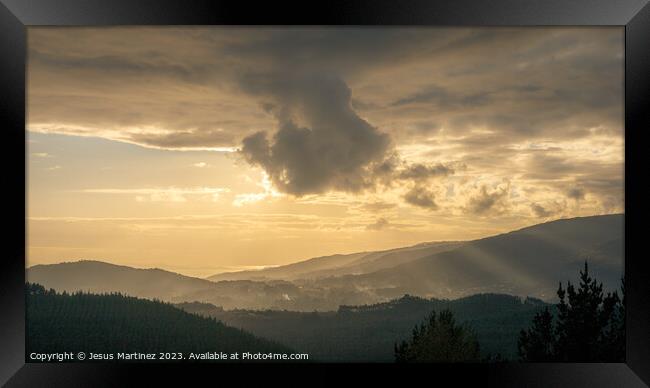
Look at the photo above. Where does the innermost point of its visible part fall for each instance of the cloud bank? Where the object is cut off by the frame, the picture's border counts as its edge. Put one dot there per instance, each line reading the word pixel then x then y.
pixel 333 151
pixel 405 111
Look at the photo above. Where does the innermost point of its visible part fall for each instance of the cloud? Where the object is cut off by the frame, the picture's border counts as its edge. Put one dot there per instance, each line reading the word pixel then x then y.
pixel 485 202
pixel 442 98
pixel 576 193
pixel 540 211
pixel 188 81
pixel 421 197
pixel 420 171
pixel 184 139
pixel 355 109
pixel 430 94
pixel 394 168
pixel 542 165
pixel 334 150
pixel 380 224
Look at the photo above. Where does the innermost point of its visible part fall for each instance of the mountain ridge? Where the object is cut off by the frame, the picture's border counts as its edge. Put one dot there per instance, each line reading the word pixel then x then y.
pixel 527 262
pixel 369 332
pixel 551 262
pixel 260 274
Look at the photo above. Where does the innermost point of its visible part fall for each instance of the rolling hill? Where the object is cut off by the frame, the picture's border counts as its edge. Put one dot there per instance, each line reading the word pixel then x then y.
pixel 527 262
pixel 368 332
pixel 100 277
pixel 112 323
pixel 355 263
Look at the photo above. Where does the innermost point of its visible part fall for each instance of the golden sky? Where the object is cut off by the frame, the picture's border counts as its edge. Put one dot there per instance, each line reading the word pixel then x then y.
pixel 207 149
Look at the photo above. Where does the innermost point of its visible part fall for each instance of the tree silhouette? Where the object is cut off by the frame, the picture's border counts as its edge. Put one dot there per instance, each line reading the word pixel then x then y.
pixel 537 343
pixel 590 326
pixel 439 339
pixel 614 336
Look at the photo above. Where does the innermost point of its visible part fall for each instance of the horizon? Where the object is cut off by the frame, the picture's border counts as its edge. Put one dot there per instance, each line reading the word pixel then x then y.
pixel 200 148
pixel 203 273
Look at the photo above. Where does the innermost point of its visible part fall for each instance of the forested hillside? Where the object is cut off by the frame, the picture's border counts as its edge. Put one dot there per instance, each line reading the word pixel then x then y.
pixel 369 332
pixel 112 323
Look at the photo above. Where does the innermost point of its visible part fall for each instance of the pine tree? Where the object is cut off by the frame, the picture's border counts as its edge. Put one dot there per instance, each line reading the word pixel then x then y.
pixel 590 326
pixel 614 336
pixel 583 316
pixel 538 343
pixel 439 339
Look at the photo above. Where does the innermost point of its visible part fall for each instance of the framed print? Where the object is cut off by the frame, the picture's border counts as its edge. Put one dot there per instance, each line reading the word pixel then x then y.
pixel 278 190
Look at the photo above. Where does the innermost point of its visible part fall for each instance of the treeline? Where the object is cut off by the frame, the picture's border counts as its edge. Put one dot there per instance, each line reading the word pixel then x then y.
pixel 112 323
pixel 369 332
pixel 586 325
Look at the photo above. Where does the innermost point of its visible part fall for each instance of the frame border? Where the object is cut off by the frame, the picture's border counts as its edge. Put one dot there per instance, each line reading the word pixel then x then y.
pixel 17 15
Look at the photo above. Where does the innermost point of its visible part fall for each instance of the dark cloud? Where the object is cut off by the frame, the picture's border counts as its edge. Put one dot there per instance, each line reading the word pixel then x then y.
pixel 519 83
pixel 393 169
pixel 384 171
pixel 423 128
pixel 422 197
pixel 380 224
pixel 551 87
pixel 328 99
pixel 344 50
pixel 443 98
pixel 604 178
pixel 540 211
pixel 420 171
pixel 528 88
pixel 335 148
pixel 149 64
pixel 576 193
pixel 433 93
pixel 543 165
pixel 485 202
pixel 358 104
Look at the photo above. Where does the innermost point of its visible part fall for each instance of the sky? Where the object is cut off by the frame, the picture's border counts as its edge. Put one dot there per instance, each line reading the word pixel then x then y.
pixel 209 149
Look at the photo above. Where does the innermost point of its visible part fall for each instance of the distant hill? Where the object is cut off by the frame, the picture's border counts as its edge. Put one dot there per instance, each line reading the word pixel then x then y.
pixel 99 277
pixel 368 333
pixel 355 263
pixel 114 323
pixel 527 262
pixel 291 271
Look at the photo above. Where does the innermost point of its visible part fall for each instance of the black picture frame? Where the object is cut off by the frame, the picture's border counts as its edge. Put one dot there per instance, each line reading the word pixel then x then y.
pixel 17 15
